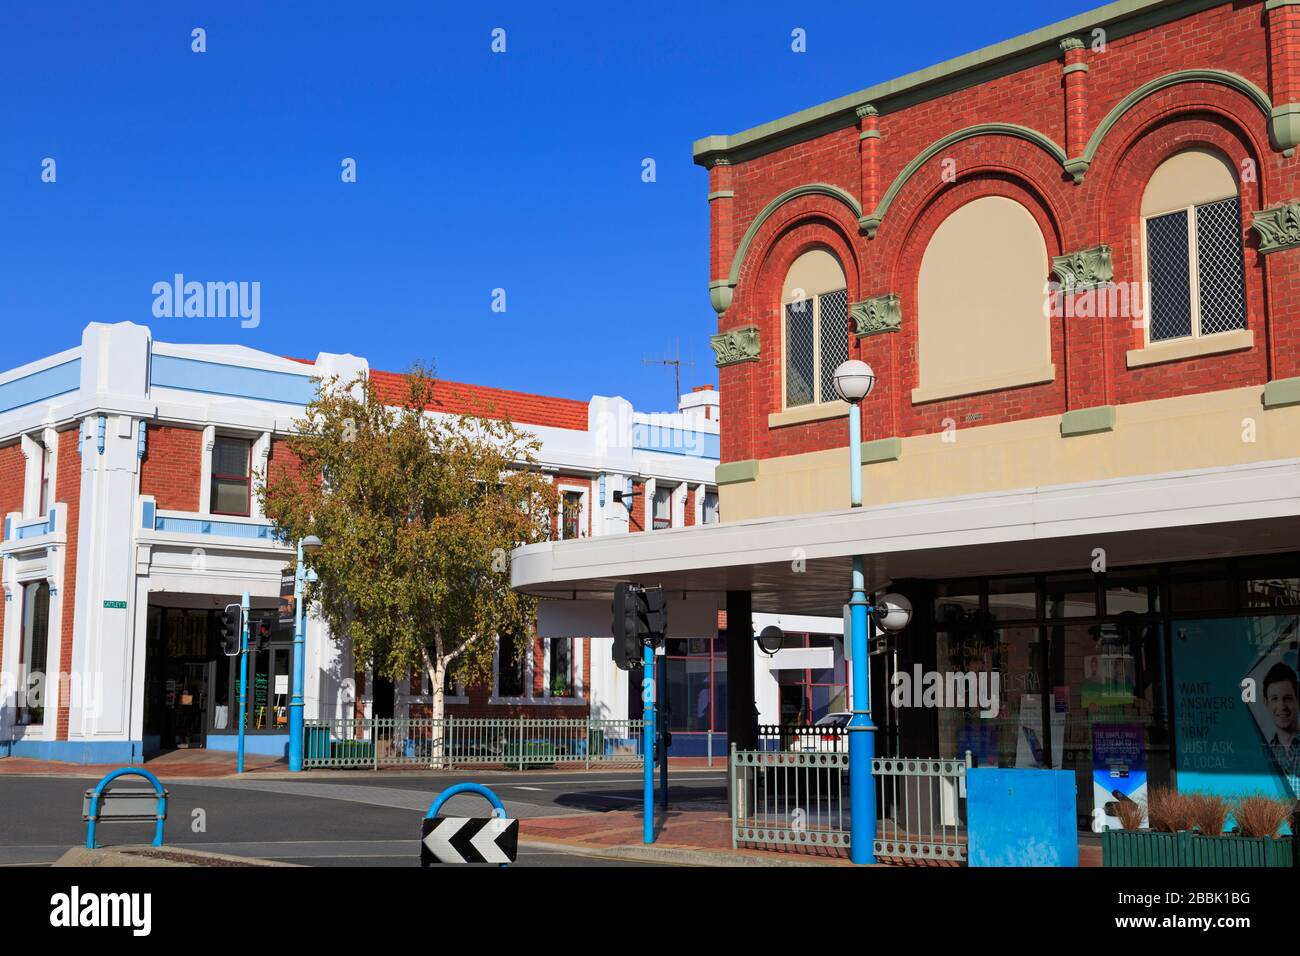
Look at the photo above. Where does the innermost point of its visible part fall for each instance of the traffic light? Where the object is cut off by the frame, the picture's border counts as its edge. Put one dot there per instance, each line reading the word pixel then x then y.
pixel 640 619
pixel 259 633
pixel 627 643
pixel 232 627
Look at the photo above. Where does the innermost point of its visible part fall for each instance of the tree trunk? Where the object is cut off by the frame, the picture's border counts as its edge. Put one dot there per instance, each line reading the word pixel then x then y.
pixel 436 667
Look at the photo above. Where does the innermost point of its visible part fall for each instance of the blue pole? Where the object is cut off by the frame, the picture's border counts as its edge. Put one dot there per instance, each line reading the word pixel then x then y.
pixel 299 647
pixel 862 742
pixel 243 677
pixel 648 669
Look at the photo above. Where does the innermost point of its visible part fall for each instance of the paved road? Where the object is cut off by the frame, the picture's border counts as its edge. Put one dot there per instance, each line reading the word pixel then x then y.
pixel 359 819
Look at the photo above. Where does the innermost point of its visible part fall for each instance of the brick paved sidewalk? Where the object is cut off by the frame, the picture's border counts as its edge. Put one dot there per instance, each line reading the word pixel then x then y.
pixel 172 765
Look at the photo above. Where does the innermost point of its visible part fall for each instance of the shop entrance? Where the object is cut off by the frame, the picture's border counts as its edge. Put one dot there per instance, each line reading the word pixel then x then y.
pixel 179 663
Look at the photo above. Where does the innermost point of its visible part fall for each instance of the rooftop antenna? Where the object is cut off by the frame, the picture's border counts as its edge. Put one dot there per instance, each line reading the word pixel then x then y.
pixel 676 361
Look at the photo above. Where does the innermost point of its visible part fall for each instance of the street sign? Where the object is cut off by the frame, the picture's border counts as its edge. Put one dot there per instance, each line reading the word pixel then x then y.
pixel 468 840
pixel 116 605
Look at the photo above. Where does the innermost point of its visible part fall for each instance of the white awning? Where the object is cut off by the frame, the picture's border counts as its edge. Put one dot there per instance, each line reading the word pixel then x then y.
pixel 801 563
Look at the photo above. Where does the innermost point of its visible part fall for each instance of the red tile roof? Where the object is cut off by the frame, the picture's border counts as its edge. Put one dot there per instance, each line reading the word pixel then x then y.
pixel 521 407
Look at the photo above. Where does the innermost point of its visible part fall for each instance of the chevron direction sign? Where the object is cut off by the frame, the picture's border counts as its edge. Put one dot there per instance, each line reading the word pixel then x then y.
pixel 468 840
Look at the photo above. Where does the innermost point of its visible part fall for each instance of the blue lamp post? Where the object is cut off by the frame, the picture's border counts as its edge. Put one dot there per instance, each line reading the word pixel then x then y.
pixel 853 382
pixel 307 546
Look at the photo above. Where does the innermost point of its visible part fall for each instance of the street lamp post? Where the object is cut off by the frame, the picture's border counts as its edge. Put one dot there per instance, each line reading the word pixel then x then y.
pixel 853 382
pixel 307 546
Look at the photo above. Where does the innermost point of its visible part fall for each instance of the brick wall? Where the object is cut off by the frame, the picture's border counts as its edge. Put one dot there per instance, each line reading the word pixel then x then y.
pixel 172 468
pixel 1089 354
pixel 68 491
pixel 13 467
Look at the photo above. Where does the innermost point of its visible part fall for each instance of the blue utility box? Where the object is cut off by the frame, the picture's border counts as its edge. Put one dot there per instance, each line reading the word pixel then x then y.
pixel 1021 817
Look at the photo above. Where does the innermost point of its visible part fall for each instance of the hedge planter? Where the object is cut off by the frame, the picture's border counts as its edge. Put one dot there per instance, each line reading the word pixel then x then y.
pixel 1149 848
pixel 535 753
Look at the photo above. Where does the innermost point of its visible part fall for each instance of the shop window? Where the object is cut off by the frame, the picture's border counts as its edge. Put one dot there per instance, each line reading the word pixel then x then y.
pixel 955 601
pixel 1204 586
pixel 815 316
pixel 34 684
pixel 1191 214
pixel 1071 595
pixel 1134 591
pixel 511 656
pixel 1013 599
pixel 231 491
pixel 571 515
pixel 982 316
pixel 1270 582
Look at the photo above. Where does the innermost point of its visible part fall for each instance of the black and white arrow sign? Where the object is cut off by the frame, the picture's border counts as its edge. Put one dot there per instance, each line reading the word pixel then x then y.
pixel 469 840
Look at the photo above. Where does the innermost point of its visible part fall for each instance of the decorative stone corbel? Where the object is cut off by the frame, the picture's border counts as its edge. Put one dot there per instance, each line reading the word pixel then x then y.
pixel 736 345
pixel 1278 228
pixel 1085 269
pixel 882 313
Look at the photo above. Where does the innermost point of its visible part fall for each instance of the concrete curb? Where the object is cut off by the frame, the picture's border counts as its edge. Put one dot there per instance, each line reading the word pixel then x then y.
pixel 131 856
pixel 673 856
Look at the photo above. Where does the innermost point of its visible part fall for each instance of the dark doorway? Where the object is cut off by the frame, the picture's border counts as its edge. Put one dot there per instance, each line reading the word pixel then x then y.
pixel 383 698
pixel 179 654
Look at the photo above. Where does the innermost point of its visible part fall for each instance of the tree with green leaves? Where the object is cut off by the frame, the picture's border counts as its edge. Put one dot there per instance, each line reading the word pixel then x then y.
pixel 417 514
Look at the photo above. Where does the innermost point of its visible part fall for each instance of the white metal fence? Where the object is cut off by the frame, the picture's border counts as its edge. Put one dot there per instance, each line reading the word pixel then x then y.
pixel 470 741
pixel 921 808
pixel 789 798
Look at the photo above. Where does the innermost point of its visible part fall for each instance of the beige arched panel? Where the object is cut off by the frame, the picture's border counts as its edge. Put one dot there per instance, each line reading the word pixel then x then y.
pixel 813 273
pixel 982 316
pixel 1189 178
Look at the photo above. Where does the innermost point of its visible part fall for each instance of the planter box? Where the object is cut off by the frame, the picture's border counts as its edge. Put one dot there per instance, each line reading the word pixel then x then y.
pixel 1149 848
pixel 353 750
pixel 532 751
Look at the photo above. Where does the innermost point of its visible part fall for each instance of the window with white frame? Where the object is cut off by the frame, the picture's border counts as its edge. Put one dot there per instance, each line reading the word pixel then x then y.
pixel 34 684
pixel 232 484
pixel 1191 217
pixel 815 316
pixel 47 466
pixel 663 508
pixel 571 515
pixel 709 509
pixel 559 667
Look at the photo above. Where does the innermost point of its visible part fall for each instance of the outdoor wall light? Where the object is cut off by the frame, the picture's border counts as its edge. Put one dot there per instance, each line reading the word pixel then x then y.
pixel 854 381
pixel 770 639
pixel 893 612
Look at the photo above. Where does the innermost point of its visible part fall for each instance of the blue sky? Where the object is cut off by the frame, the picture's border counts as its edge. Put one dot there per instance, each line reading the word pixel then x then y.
pixel 475 170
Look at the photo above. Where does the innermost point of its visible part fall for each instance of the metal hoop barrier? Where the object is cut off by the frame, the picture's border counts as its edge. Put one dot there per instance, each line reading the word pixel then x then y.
pixel 498 808
pixel 125 806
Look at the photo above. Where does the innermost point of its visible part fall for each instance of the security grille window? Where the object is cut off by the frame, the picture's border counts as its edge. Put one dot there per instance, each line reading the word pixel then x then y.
pixel 1195 271
pixel 510 667
pixel 663 508
pixel 817 342
pixel 33 653
pixel 231 479
pixel 710 508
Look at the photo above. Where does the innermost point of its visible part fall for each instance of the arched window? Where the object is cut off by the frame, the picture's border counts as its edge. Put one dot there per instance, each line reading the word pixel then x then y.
pixel 1191 230
pixel 982 321
pixel 815 313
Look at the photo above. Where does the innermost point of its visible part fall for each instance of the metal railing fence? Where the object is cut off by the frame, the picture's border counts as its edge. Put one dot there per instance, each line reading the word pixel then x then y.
pixel 448 742
pixel 789 798
pixel 921 808
pixel 803 738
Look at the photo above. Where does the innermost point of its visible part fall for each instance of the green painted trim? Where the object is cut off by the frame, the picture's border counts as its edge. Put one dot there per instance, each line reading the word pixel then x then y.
pixel 1085 269
pixel 883 449
pixel 869 224
pixel 1284 127
pixel 869 134
pixel 722 194
pixel 1278 228
pixel 808 189
pixel 1282 392
pixel 720 294
pixel 1088 421
pixel 736 345
pixel 734 472
pixel 1274 4
pixel 1071 43
pixel 882 313
pixel 1150 88
pixel 1119 19
pixel 1074 68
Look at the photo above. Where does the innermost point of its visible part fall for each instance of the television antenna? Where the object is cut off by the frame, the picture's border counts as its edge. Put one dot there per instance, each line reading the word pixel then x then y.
pixel 676 361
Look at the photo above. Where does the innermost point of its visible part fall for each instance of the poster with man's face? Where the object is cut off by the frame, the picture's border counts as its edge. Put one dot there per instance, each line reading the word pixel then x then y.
pixel 1235 706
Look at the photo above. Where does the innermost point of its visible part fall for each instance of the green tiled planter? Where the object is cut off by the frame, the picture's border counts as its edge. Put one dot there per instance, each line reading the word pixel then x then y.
pixel 536 753
pixel 1148 848
pixel 353 750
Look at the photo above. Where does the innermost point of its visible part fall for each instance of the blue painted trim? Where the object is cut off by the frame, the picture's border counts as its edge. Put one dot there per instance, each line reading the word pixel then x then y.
pixel 602 491
pixel 81 435
pixel 267 745
pixel 9 528
pixel 101 432
pixel 216 378
pixel 99 792
pixel 147 515
pixel 142 439
pixel 224 529
pixel 38 386
pixel 675 441
pixel 77 751
pixel 33 529
pixel 478 788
